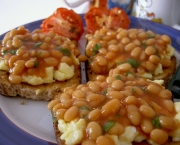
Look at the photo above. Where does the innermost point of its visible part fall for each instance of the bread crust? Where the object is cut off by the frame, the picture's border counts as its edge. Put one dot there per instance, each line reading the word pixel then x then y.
pixel 44 92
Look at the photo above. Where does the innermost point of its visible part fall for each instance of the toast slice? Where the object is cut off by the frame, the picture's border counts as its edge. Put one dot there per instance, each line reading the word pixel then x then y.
pixel 74 127
pixel 113 49
pixel 37 65
pixel 44 92
pixel 166 76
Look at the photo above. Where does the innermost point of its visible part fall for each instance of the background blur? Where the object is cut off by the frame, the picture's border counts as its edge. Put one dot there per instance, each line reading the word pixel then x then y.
pixel 14 13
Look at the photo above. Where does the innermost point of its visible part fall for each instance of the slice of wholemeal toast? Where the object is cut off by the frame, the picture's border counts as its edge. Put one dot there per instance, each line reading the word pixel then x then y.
pixel 41 63
pixel 37 65
pixel 44 92
pixel 165 76
pixel 103 109
pixel 151 55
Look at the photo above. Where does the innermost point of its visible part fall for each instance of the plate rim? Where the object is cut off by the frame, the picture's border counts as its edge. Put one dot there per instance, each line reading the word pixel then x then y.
pixel 140 24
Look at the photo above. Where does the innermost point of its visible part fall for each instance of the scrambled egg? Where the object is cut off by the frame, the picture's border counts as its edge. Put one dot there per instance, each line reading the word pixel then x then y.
pixel 34 80
pixel 176 133
pixel 72 132
pixel 64 72
pixel 168 53
pixel 3 66
pixel 131 134
pixel 161 82
pixel 159 70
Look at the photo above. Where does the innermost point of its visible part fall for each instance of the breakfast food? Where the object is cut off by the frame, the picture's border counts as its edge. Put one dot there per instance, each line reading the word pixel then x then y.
pixel 41 63
pixel 120 106
pixel 37 65
pixel 113 18
pixel 119 109
pixel 151 55
pixel 64 22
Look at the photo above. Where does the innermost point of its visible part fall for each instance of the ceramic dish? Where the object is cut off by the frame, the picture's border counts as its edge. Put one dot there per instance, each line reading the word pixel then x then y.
pixel 30 123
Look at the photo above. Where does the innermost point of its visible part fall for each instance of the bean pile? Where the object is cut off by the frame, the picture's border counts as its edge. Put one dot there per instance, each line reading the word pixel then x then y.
pixel 110 104
pixel 31 53
pixel 143 49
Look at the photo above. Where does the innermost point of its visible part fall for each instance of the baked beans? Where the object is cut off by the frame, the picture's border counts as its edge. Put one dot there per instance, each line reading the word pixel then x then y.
pixel 148 49
pixel 94 130
pixel 23 51
pixel 124 101
pixel 104 140
pixel 159 136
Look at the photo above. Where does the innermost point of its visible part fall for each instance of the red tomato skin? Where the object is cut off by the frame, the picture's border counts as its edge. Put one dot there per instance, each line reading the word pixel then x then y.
pixel 93 16
pixel 113 18
pixel 117 19
pixel 65 23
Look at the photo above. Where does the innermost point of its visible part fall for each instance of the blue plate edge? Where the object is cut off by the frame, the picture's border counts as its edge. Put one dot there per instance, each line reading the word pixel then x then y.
pixel 30 139
pixel 10 134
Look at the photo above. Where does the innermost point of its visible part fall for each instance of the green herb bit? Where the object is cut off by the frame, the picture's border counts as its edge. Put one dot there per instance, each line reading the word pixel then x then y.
pixel 118 77
pixel 36 64
pixel 132 62
pixel 84 108
pixel 37 44
pixel 96 48
pixel 150 36
pixel 9 51
pixel 72 30
pixel 54 119
pixel 156 50
pixel 90 58
pixel 133 90
pixel 83 116
pixel 13 51
pixel 64 51
pixel 156 122
pixel 4 52
pixel 144 44
pixel 105 91
pixel 108 125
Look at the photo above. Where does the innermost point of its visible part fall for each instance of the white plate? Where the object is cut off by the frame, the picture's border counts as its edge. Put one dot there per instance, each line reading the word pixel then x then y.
pixel 31 122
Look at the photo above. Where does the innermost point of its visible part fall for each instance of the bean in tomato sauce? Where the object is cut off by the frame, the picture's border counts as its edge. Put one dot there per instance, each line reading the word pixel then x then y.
pixel 111 105
pixel 30 53
pixel 145 51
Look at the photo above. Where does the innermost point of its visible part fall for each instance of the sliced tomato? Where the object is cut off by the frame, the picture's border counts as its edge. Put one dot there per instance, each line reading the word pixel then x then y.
pixel 65 23
pixel 117 19
pixel 113 18
pixel 95 18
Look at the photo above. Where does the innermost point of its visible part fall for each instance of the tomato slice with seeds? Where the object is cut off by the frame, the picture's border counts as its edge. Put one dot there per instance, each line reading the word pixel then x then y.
pixel 117 19
pixel 65 23
pixel 113 18
pixel 95 18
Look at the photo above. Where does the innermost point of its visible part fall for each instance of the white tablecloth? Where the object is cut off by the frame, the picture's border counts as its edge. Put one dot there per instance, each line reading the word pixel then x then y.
pixel 14 13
